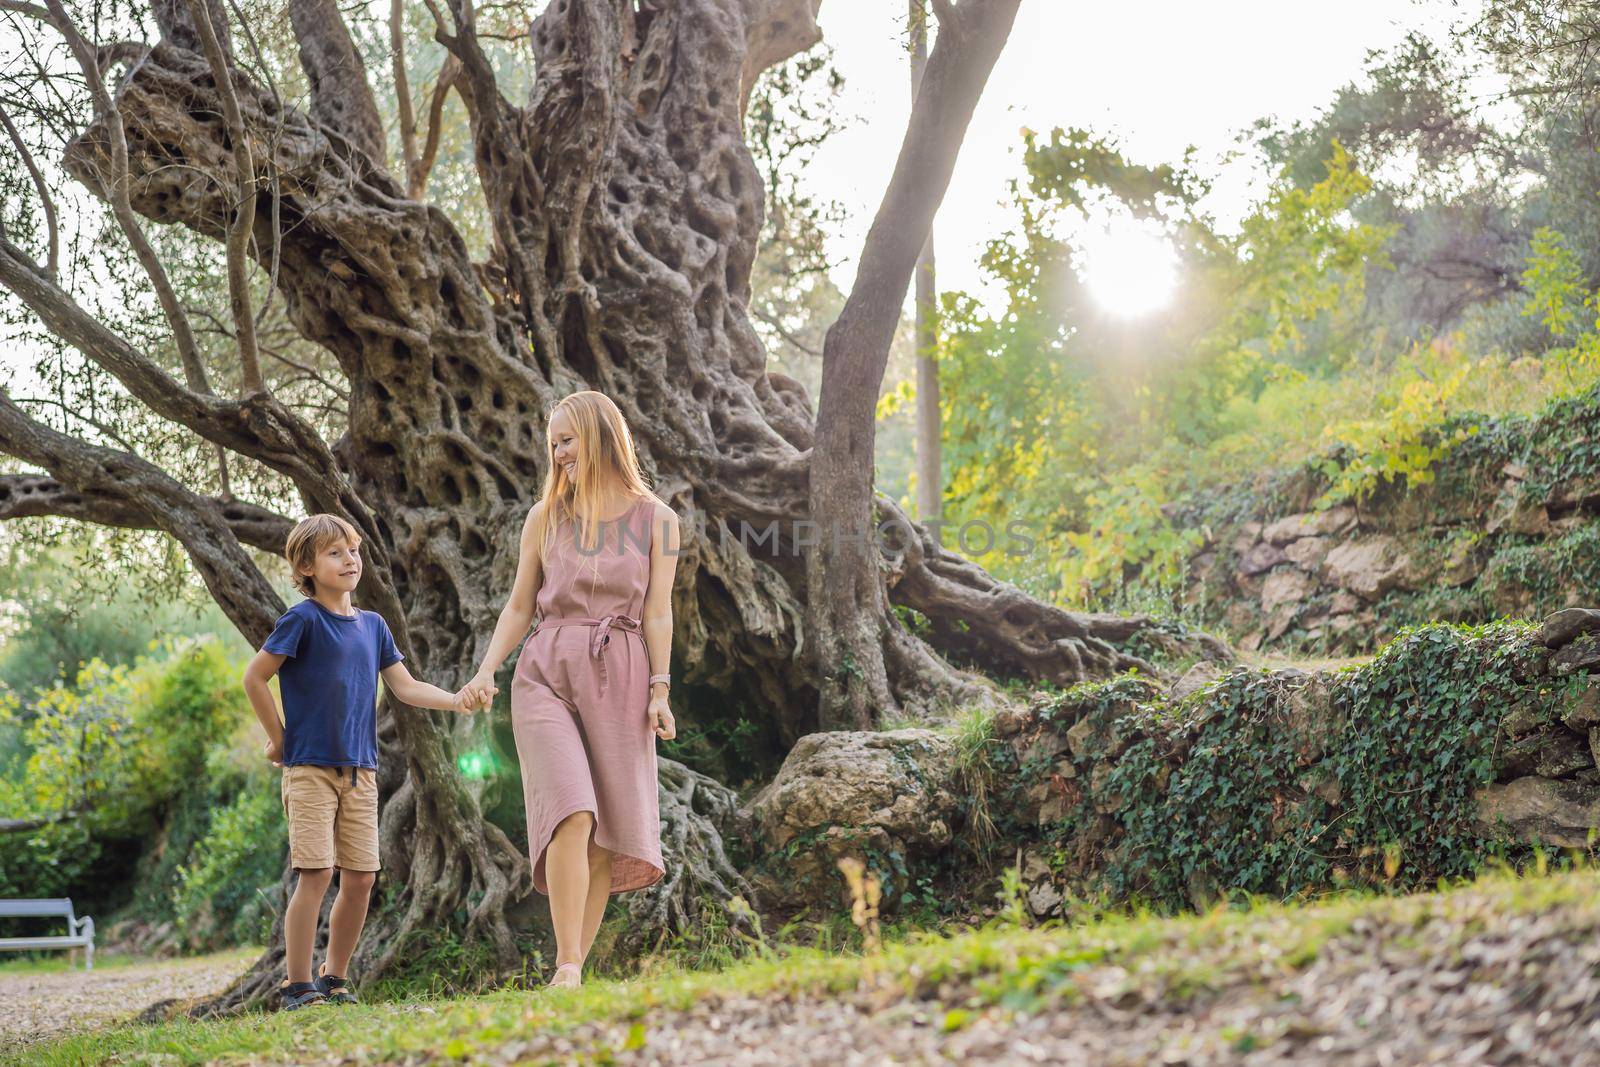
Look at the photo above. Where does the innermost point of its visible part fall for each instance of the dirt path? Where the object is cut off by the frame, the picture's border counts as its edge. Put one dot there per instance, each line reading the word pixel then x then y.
pixel 1472 987
pixel 41 1003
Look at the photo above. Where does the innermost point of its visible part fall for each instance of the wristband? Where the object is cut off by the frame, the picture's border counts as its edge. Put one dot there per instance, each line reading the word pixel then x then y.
pixel 667 678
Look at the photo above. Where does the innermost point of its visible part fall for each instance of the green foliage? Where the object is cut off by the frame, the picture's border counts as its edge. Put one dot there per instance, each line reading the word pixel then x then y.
pixel 1083 428
pixel 156 799
pixel 1210 817
pixel 1257 786
pixel 51 630
pixel 224 892
pixel 1402 443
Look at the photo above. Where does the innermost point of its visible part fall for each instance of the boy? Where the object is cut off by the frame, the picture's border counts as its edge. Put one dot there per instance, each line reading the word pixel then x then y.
pixel 328 656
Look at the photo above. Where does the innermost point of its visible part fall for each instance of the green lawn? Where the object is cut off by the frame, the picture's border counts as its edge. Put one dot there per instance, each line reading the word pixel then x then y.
pixel 60 962
pixel 1015 968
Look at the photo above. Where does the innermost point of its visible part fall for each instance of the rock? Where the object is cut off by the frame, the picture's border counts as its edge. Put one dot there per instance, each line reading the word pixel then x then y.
pixel 1343 603
pixel 1539 810
pixel 1309 524
pixel 1098 735
pixel 1461 565
pixel 1369 568
pixel 1574 494
pixel 1034 866
pixel 1323 784
pixel 1524 717
pixel 1195 679
pixel 1105 802
pixel 1044 900
pixel 1563 753
pixel 1310 718
pixel 1282 618
pixel 1287 586
pixel 1244 537
pixel 844 792
pixel 1308 552
pixel 1203 889
pixel 1594 744
pixel 1260 558
pixel 1008 722
pixel 1550 752
pixel 1583 654
pixel 1039 746
pixel 1510 513
pixel 1584 712
pixel 1340 625
pixel 1562 627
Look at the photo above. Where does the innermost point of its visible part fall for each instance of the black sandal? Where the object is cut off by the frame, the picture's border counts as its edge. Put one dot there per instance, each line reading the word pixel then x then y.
pixel 337 990
pixel 292 995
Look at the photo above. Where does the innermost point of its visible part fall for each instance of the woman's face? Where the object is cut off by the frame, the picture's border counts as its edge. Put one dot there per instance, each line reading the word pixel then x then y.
pixel 564 444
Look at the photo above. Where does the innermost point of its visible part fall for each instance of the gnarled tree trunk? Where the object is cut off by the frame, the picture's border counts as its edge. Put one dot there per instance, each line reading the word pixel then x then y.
pixel 625 211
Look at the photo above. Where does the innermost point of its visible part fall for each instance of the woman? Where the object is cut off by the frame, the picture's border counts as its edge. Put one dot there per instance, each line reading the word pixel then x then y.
pixel 590 692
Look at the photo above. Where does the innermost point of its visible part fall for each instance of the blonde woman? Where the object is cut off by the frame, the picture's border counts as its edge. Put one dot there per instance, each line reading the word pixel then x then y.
pixel 589 697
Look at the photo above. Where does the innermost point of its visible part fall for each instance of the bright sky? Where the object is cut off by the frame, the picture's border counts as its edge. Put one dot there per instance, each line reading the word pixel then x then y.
pixel 1159 74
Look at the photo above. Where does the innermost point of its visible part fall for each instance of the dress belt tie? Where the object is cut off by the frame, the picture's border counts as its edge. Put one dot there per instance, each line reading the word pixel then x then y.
pixel 601 636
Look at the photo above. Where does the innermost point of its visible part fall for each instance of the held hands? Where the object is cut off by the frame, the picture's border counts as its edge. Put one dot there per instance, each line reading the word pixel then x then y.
pixel 476 694
pixel 661 720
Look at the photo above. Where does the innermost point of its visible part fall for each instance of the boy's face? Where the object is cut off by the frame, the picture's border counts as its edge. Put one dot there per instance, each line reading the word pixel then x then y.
pixel 337 568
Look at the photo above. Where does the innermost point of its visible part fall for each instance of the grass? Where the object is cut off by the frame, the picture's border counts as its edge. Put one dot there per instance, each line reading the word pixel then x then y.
pixel 1002 966
pixel 60 962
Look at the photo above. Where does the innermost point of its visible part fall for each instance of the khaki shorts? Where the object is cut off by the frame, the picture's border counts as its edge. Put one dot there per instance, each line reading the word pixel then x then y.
pixel 333 821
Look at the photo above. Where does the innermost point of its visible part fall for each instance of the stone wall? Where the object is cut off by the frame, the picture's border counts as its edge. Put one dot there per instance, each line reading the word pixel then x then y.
pixel 1450 746
pixel 1508 525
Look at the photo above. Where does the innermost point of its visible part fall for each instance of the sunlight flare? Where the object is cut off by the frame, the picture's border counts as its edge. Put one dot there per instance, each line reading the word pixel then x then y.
pixel 1129 266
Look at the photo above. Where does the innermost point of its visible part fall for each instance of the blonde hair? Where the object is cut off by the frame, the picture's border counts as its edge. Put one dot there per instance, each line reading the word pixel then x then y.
pixel 307 540
pixel 608 462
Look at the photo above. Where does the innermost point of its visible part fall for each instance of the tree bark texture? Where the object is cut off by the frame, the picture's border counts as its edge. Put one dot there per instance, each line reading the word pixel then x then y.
pixel 625 211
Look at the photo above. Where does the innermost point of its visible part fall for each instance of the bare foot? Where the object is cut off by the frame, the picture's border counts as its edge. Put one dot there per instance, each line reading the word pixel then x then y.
pixel 567 976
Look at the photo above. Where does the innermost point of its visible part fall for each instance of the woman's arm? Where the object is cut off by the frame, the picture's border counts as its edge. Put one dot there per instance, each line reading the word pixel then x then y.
pixel 517 615
pixel 657 621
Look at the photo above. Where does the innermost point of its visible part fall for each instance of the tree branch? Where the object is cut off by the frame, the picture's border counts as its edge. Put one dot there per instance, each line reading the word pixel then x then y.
pixel 402 93
pixel 774 31
pixel 448 75
pixel 39 822
pixel 117 194
pixel 244 209
pixel 52 263
pixel 192 520
pixel 259 427
pixel 341 97
pixel 178 27
pixel 30 496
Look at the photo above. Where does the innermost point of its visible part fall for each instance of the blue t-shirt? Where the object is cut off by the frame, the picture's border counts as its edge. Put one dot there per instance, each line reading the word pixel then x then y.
pixel 330 683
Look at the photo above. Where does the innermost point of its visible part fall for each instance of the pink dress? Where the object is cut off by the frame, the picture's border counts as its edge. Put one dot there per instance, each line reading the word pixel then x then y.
pixel 580 696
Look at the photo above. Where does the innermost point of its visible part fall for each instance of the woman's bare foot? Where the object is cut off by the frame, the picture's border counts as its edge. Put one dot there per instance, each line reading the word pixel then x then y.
pixel 567 976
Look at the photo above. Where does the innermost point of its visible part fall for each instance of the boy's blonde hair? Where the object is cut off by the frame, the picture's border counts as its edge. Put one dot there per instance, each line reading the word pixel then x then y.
pixel 307 540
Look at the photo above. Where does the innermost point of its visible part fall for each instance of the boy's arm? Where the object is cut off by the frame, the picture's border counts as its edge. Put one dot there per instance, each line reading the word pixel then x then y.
pixel 260 669
pixel 418 694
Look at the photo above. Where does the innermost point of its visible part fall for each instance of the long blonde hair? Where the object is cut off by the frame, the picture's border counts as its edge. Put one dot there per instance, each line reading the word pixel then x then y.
pixel 608 462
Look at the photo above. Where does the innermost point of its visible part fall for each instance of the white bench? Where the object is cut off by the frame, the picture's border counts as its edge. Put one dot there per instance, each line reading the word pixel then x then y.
pixel 80 932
